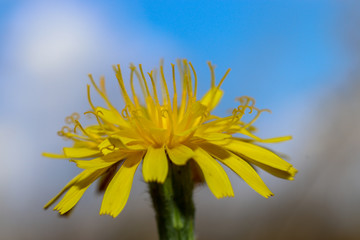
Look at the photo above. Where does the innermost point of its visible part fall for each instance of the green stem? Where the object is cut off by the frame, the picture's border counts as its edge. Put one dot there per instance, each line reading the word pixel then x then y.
pixel 173 204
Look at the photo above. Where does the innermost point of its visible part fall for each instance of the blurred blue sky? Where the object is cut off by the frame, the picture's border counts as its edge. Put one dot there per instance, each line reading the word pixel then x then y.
pixel 283 53
pixel 288 44
pixel 280 52
pixel 283 46
pixel 286 54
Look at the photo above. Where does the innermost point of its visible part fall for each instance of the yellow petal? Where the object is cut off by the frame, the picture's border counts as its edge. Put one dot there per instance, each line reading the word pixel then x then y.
pixel 193 114
pixel 118 191
pixel 155 166
pixel 213 136
pixel 240 167
pixel 67 186
pixel 180 154
pixel 111 117
pixel 257 154
pixel 130 143
pixel 70 199
pixel 197 109
pixel 107 146
pixel 214 174
pixel 268 140
pixel 288 175
pixel 95 129
pixel 53 155
pixel 97 162
pixel 80 152
pixel 212 98
pixel 157 133
pixel 85 144
pixel 276 139
pixel 76 188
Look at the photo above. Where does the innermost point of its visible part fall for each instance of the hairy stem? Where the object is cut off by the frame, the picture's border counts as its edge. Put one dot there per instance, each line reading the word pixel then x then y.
pixel 173 204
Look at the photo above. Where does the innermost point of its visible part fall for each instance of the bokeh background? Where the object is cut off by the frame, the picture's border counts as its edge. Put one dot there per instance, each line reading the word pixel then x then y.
pixel 298 58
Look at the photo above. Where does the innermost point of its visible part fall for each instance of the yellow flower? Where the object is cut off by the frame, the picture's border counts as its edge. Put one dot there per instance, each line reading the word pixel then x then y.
pixel 176 129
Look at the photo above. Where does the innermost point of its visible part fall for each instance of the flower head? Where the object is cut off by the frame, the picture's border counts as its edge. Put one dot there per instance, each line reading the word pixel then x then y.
pixel 162 129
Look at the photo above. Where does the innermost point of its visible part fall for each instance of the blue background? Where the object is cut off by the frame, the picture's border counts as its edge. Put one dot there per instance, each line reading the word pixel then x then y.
pixel 297 58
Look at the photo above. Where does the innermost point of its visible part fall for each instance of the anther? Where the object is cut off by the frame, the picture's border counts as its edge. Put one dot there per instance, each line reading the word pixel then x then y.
pixel 75 116
pixel 125 113
pixel 68 130
pixel 96 115
pixel 69 120
pixel 135 112
pixel 163 111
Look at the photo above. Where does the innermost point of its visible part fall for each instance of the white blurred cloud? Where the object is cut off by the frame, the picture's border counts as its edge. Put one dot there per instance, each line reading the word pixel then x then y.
pixel 17 169
pixel 46 39
pixel 46 51
pixel 49 47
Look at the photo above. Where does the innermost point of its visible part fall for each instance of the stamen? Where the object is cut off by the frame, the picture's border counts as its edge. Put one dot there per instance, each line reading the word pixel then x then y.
pixel 144 79
pixel 135 113
pixel 181 72
pixel 64 130
pixel 256 116
pixel 136 100
pixel 175 103
pixel 132 82
pixel 163 111
pixel 245 100
pixel 195 79
pixel 170 121
pixel 184 91
pixel 125 113
pixel 102 84
pixel 154 88
pixel 182 105
pixel 212 68
pixel 223 78
pixel 159 120
pixel 119 77
pixel 133 68
pixel 242 108
pixel 187 77
pixel 164 84
pixel 109 147
pixel 204 117
pixel 173 75
pixel 75 116
pixel 187 85
pixel 71 119
pixel 103 95
pixel 107 124
pixel 82 130
pixel 89 98
pixel 97 117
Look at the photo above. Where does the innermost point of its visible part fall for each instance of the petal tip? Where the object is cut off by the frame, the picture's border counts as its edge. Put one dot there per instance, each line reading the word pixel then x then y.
pixel 225 195
pixel 269 195
pixel 292 171
pixel 154 180
pixel 109 213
